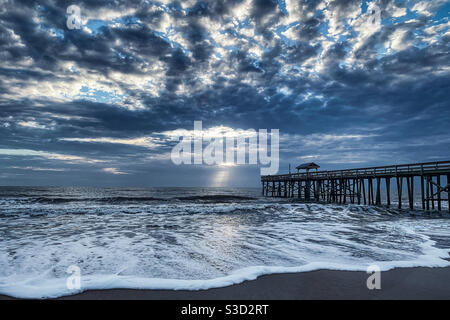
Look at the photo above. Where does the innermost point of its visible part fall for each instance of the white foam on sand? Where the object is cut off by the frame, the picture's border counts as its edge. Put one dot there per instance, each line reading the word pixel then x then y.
pixel 40 287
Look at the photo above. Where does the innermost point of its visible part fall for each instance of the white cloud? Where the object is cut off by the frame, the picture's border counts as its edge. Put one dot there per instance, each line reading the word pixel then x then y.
pixel 39 169
pixel 113 171
pixel 427 7
pixel 48 155
pixel 34 125
pixel 396 40
pixel 213 132
pixel 398 12
pixel 147 142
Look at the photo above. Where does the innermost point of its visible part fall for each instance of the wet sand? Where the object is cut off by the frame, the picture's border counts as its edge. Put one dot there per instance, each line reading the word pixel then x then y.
pixel 402 283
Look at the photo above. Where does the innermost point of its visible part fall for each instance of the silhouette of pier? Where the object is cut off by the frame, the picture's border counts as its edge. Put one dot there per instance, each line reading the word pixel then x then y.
pixel 364 185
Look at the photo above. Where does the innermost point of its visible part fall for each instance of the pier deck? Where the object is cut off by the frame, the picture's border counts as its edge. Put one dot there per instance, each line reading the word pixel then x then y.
pixel 364 185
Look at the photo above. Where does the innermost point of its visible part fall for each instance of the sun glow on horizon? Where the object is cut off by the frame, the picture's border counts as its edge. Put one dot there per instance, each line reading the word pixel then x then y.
pixel 226 164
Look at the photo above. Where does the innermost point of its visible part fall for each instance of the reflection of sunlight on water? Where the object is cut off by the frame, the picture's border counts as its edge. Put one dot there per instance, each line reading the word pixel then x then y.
pixel 225 236
pixel 228 230
pixel 227 164
pixel 221 177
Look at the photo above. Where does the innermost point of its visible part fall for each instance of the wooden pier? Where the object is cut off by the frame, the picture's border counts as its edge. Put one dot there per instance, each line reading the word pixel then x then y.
pixel 364 185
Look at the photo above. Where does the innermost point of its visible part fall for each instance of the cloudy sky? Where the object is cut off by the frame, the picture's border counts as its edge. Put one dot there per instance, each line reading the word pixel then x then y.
pixel 347 83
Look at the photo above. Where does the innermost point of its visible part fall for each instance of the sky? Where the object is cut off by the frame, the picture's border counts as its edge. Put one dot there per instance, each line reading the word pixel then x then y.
pixel 347 84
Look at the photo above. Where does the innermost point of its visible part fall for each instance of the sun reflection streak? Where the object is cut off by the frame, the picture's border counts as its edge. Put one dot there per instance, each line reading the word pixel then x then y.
pixel 221 178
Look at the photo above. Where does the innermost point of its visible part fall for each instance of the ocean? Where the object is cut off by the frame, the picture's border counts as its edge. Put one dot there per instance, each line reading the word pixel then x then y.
pixel 196 238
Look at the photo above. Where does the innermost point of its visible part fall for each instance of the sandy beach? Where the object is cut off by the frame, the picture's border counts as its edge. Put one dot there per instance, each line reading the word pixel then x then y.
pixel 397 284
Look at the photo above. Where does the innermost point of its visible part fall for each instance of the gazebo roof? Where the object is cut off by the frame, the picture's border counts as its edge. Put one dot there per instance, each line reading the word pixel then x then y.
pixel 309 165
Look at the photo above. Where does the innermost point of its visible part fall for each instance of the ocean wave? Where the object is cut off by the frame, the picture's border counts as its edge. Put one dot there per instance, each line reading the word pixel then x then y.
pixel 108 200
pixel 126 199
pixel 215 198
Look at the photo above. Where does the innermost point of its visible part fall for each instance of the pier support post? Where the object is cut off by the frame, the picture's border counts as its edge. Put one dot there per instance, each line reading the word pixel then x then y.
pixel 288 191
pixel 308 190
pixel 351 190
pixel 388 192
pixel 410 183
pixel 314 189
pixel 358 189
pixel 329 190
pixel 332 191
pixel 399 191
pixel 422 191
pixel 279 189
pixel 448 191
pixel 318 190
pixel 344 186
pixel 438 181
pixel 300 183
pixel 338 190
pixel 378 196
pixel 432 192
pixel 293 189
pixel 363 182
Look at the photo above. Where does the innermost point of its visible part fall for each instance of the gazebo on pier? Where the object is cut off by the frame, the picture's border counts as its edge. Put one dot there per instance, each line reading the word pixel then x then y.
pixel 307 166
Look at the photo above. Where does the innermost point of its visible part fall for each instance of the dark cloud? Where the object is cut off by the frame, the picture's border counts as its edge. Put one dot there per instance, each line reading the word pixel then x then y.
pixel 147 68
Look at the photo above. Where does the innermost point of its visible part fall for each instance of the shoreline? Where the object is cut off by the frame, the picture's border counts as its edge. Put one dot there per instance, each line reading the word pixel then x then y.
pixel 396 284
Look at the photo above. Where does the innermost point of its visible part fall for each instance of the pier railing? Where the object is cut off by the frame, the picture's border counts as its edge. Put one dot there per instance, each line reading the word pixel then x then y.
pixel 381 171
